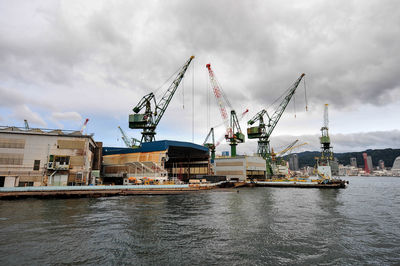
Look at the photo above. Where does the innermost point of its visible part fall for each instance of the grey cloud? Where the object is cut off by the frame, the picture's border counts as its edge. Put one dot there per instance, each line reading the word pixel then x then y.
pixel 9 97
pixel 114 53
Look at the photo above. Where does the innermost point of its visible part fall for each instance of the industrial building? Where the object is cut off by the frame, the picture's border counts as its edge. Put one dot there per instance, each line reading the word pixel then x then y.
pixel 157 161
pixel 44 157
pixel 240 167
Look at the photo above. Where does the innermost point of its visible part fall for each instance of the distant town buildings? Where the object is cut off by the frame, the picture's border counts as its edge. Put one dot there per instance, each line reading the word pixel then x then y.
pixel 369 162
pixel 294 162
pixel 381 165
pixel 353 162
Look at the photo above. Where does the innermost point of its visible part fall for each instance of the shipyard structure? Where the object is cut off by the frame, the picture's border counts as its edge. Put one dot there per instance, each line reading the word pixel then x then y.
pixel 42 157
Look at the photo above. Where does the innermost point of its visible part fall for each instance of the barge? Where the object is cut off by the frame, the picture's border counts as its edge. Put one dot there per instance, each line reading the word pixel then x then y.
pixel 333 183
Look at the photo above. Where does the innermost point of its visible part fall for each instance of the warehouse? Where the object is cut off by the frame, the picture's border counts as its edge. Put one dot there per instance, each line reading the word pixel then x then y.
pixel 159 161
pixel 45 157
pixel 240 168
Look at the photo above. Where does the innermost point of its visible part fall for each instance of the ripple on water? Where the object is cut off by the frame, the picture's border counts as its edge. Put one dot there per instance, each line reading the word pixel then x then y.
pixel 358 225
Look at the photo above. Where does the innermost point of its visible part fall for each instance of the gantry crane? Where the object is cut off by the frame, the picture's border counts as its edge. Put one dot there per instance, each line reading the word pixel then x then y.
pixel 233 133
pixel 129 143
pixel 263 132
pixel 149 120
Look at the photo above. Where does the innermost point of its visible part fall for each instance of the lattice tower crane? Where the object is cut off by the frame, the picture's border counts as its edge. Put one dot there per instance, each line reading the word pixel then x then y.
pixel 149 120
pixel 263 132
pixel 210 145
pixel 326 148
pixel 26 124
pixel 213 145
pixel 234 133
pixel 129 142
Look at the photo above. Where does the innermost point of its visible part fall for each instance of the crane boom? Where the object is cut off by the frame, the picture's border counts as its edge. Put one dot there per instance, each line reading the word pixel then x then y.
pixel 282 153
pixel 149 120
pixel 166 99
pixel 218 96
pixel 281 108
pixel 125 138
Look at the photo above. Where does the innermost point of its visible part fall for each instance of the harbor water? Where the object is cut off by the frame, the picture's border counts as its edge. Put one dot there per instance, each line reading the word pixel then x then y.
pixel 250 226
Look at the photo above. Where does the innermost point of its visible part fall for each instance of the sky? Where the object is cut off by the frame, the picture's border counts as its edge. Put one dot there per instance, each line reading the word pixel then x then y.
pixel 64 61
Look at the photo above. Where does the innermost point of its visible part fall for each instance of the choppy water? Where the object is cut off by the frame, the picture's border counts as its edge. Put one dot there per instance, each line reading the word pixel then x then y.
pixel 357 225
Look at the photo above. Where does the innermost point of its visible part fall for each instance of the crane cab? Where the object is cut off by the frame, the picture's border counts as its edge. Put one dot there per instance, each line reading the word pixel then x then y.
pixel 254 132
pixel 137 121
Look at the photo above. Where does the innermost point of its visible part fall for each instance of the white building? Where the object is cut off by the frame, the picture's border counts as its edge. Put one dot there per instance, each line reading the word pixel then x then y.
pixel 38 157
pixel 396 167
pixel 240 167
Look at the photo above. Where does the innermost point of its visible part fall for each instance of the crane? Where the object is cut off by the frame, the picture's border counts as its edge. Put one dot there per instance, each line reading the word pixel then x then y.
pixel 26 124
pixel 133 143
pixel 233 133
pixel 84 125
pixel 210 145
pixel 279 165
pixel 263 132
pixel 149 120
pixel 324 162
pixel 283 153
pixel 326 149
pixel 274 155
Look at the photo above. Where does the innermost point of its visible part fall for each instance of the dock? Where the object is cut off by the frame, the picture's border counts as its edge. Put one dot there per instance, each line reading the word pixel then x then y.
pixel 300 184
pixel 100 191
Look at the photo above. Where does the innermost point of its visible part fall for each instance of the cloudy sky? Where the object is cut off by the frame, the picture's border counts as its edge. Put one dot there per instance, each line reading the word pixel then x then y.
pixel 64 61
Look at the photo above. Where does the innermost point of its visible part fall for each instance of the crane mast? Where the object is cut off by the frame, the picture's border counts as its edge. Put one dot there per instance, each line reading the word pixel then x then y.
pixel 234 133
pixel 149 120
pixel 326 148
pixel 263 132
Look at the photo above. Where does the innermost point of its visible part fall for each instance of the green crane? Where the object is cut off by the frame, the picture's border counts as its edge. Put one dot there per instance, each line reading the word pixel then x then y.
pixel 133 143
pixel 326 148
pixel 263 132
pixel 233 134
pixel 210 145
pixel 149 120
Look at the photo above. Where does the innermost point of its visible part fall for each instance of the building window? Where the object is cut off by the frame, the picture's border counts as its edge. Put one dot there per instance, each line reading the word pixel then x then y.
pixel 36 165
pixel 25 184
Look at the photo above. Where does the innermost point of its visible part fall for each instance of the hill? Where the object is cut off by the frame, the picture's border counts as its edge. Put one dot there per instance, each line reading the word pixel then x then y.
pixel 307 158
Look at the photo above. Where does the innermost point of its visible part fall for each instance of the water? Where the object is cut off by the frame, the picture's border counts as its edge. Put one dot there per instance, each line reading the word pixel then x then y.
pixel 257 226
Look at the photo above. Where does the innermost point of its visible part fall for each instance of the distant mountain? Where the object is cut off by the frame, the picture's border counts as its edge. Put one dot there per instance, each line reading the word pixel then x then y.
pixel 307 158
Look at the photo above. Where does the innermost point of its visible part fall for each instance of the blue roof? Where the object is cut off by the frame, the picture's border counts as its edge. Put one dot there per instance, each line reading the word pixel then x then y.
pixel 160 145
